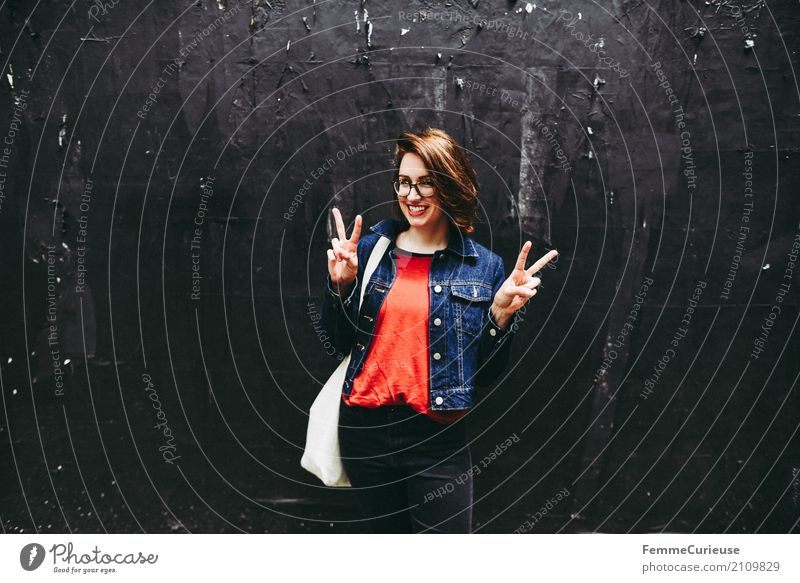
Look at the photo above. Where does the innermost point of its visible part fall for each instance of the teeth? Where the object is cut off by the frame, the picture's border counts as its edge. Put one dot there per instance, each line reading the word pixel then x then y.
pixel 416 208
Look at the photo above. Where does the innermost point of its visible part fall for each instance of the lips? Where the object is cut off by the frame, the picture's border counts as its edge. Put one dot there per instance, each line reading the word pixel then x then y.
pixel 416 210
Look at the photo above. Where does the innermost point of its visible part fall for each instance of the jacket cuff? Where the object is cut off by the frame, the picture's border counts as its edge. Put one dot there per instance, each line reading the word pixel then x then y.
pixel 497 333
pixel 349 299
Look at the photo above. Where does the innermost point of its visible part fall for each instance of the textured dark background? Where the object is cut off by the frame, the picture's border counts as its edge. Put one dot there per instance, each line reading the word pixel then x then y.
pixel 263 94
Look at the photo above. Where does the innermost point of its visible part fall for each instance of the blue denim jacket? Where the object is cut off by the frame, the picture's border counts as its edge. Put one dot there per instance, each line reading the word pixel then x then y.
pixel 466 345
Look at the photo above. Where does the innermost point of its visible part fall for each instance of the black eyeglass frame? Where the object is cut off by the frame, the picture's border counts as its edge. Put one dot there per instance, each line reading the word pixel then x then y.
pixel 413 185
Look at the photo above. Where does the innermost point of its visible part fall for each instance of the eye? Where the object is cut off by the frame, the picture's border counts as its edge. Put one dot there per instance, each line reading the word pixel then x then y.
pixel 405 181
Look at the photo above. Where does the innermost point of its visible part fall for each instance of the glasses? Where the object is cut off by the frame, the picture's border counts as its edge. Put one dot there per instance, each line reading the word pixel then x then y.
pixel 403 187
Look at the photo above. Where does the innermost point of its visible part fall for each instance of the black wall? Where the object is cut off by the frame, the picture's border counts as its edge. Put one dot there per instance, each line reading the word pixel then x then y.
pixel 655 374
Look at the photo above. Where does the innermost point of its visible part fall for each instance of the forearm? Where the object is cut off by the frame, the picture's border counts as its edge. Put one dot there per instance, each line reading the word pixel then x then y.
pixel 336 314
pixel 344 290
pixel 495 346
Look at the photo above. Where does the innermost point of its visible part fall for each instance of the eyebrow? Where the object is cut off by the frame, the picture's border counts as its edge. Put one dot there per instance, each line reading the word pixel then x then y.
pixel 420 178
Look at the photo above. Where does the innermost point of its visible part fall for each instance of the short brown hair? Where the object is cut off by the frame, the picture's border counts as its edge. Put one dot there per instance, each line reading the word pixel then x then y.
pixel 451 172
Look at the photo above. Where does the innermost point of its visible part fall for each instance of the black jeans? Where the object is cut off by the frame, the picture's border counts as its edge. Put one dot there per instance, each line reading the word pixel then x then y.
pixel 410 474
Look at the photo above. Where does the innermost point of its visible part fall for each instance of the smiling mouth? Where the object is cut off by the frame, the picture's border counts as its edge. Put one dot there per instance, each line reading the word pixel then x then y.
pixel 416 210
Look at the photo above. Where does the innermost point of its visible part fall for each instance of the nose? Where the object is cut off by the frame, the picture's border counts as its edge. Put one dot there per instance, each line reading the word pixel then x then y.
pixel 413 195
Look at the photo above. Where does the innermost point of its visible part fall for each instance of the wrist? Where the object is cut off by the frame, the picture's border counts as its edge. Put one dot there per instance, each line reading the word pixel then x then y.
pixel 501 317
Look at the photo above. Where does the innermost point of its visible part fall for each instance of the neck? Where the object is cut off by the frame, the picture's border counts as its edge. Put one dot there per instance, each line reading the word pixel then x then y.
pixel 424 239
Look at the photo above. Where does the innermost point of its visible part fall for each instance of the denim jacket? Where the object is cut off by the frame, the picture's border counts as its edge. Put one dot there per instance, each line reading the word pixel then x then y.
pixel 466 345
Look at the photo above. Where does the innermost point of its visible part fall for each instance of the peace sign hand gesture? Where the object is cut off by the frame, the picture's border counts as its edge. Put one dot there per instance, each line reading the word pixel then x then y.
pixel 342 257
pixel 519 287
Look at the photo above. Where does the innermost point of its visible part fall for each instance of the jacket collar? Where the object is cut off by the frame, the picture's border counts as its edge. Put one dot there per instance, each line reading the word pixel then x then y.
pixel 457 243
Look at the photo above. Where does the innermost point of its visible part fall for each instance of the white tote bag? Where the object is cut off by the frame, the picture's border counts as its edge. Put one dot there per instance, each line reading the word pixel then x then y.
pixel 321 456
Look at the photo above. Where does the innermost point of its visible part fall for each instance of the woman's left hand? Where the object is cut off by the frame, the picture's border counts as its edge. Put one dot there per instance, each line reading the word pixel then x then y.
pixel 519 287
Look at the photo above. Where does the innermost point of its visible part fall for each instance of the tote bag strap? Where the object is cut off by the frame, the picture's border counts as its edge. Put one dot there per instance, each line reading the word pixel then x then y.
pixel 374 258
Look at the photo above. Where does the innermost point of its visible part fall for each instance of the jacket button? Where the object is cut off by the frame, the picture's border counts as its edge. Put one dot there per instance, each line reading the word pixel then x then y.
pixel 359 346
pixel 439 400
pixel 437 322
pixel 492 331
pixel 437 288
pixel 437 356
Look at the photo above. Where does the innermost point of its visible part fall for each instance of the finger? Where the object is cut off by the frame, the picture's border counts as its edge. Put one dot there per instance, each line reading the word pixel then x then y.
pixel 342 254
pixel 544 260
pixel 337 249
pixel 522 291
pixel 356 230
pixel 526 297
pixel 523 256
pixel 532 283
pixel 331 259
pixel 337 217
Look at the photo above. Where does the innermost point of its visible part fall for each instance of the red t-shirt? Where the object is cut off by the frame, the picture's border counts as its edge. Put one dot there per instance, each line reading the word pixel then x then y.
pixel 396 369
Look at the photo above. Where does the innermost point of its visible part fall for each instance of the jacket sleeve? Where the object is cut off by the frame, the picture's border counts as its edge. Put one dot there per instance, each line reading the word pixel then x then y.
pixel 338 314
pixel 494 352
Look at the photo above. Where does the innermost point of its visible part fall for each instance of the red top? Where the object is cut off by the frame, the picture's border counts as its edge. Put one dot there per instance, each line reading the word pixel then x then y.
pixel 396 370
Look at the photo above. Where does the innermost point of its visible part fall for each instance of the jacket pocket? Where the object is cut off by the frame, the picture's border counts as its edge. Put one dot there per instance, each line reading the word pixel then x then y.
pixel 470 303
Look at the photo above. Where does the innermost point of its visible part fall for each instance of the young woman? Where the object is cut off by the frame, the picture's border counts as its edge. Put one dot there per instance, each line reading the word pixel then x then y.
pixel 437 318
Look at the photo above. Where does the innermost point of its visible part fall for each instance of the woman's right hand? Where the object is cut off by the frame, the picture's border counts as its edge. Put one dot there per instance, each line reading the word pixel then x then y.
pixel 342 256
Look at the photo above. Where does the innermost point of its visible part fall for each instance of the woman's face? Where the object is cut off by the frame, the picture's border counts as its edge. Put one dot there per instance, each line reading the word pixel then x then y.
pixel 420 212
